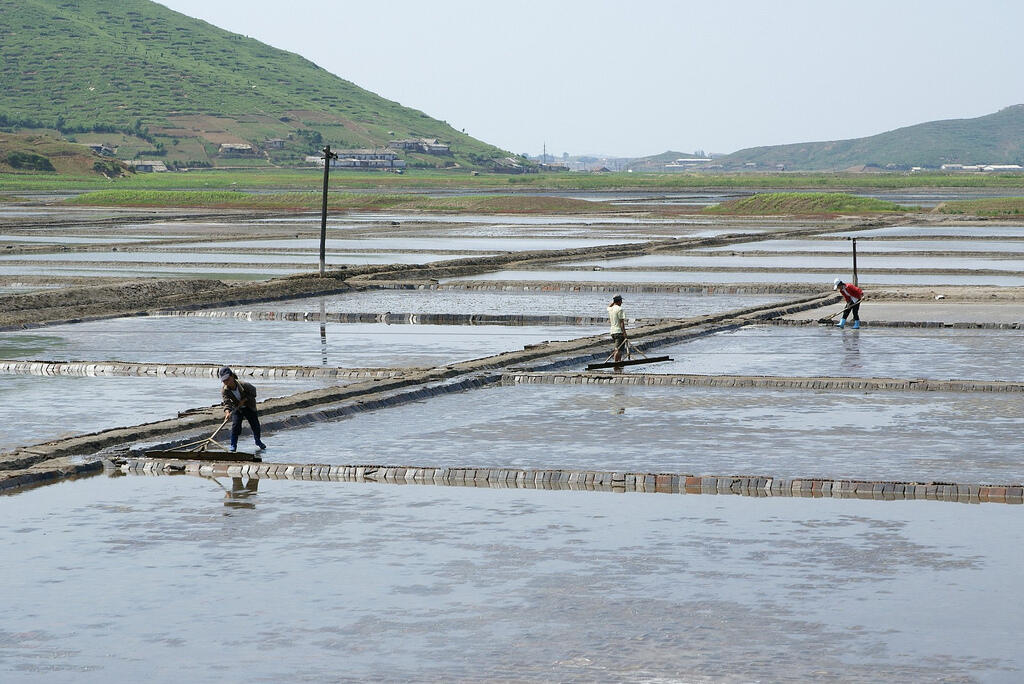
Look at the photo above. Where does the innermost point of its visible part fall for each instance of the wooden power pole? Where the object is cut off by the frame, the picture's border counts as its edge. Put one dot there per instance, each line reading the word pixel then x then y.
pixel 328 156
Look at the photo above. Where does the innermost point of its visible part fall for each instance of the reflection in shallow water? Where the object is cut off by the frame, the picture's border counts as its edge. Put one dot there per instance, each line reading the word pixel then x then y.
pixel 438 583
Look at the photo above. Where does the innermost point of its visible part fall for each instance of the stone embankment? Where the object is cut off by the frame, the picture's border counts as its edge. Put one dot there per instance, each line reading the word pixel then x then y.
pixel 764 382
pixel 587 480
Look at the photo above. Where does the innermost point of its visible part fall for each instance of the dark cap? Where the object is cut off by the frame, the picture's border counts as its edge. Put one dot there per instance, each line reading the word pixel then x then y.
pixel 225 373
pixel 617 298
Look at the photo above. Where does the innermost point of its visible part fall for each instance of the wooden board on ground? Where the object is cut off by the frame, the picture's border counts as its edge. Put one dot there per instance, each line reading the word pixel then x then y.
pixel 630 362
pixel 204 455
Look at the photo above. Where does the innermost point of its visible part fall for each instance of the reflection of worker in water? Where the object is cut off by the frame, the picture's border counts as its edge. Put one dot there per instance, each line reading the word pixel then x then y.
pixel 852 294
pixel 236 498
pixel 617 318
pixel 239 399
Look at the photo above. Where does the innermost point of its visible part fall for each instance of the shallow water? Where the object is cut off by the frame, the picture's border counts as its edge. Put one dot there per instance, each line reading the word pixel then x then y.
pixel 36 408
pixel 208 260
pixel 873 246
pixel 638 305
pixel 738 276
pixel 166 579
pixel 986 230
pixel 155 271
pixel 903 436
pixel 79 239
pixel 934 354
pixel 463 244
pixel 172 339
pixel 794 262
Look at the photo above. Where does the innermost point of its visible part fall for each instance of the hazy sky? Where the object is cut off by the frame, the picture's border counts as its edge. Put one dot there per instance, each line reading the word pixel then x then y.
pixel 639 77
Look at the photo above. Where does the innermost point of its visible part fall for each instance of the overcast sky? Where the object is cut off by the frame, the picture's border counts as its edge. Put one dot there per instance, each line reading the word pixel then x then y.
pixel 639 77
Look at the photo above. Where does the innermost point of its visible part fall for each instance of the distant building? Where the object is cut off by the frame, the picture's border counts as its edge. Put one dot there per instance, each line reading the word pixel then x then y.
pixel 235 149
pixel 688 163
pixel 507 165
pixel 273 144
pixel 998 168
pixel 147 166
pixel 427 145
pixel 362 159
pixel 103 149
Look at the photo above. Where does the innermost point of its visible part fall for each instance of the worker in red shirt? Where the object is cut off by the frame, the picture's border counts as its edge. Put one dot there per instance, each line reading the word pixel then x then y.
pixel 853 296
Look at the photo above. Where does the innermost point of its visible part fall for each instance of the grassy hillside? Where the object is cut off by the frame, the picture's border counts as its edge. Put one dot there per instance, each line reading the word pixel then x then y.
pixel 40 154
pixel 993 139
pixel 159 83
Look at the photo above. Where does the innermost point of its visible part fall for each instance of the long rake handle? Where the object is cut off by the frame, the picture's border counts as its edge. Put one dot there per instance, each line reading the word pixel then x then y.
pixel 199 443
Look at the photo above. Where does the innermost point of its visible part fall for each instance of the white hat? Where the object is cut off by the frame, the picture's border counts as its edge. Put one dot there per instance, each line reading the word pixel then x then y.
pixel 836 283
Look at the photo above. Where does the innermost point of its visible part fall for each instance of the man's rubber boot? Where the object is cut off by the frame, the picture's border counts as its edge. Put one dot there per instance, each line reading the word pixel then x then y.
pixel 234 448
pixel 856 324
pixel 841 324
pixel 260 445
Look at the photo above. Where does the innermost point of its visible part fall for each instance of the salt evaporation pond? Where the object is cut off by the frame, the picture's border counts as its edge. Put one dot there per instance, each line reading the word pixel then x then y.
pixel 207 259
pixel 207 271
pixel 964 231
pixel 173 339
pixel 426 244
pixel 790 262
pixel 928 353
pixel 175 579
pixel 606 276
pixel 78 239
pixel 872 246
pixel 903 436
pixel 37 408
pixel 551 303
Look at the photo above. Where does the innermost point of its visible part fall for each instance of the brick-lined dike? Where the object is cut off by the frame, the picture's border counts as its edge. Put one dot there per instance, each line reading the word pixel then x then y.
pixel 763 381
pixel 588 480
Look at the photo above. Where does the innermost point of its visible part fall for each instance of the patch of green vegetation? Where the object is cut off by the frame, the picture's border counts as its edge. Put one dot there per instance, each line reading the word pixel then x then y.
pixel 312 178
pixel 995 206
pixel 490 204
pixel 803 203
pixel 29 161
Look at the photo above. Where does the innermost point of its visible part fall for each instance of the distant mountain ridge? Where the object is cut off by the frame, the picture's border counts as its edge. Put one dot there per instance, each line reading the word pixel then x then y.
pixel 148 79
pixel 991 139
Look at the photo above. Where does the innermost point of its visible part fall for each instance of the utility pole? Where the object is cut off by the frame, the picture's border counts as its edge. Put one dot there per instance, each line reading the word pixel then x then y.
pixel 328 156
pixel 854 241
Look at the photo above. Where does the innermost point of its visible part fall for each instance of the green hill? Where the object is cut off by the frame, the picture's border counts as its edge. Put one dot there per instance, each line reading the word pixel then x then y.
pixel 156 83
pixel 992 139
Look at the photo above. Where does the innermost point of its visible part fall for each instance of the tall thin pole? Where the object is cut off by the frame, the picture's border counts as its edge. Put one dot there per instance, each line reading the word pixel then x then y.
pixel 328 156
pixel 854 240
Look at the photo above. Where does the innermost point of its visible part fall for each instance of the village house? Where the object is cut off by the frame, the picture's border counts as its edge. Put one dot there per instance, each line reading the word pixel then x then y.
pixel 103 149
pixel 235 149
pixel 362 159
pixel 427 145
pixel 147 166
pixel 273 144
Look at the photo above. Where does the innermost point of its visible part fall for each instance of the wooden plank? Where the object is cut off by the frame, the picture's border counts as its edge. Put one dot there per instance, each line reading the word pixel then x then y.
pixel 204 455
pixel 630 362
